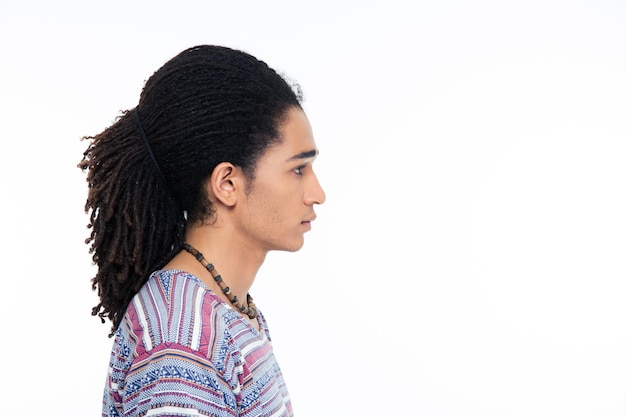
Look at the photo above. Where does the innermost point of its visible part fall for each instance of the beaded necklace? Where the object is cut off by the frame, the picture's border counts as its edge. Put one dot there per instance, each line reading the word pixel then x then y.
pixel 250 310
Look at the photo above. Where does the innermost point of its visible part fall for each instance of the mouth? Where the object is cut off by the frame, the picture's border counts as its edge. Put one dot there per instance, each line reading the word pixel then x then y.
pixel 307 222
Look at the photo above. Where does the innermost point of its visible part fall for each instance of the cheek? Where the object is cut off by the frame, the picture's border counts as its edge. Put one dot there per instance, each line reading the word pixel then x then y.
pixel 267 211
pixel 272 205
pixel 276 211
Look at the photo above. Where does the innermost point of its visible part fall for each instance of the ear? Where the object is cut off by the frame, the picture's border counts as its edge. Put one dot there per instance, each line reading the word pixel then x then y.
pixel 225 182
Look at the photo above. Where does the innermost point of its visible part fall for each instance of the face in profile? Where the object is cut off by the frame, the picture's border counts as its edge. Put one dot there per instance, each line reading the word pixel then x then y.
pixel 279 208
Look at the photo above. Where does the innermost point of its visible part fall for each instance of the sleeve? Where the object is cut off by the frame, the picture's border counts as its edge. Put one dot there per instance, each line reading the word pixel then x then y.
pixel 173 380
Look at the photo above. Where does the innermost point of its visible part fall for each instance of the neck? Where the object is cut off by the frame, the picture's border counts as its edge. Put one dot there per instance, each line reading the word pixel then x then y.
pixel 246 307
pixel 237 266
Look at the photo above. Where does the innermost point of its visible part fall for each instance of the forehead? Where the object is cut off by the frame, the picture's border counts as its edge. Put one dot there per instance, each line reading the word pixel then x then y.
pixel 297 141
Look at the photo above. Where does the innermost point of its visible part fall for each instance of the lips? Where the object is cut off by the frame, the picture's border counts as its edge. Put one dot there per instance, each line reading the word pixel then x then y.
pixel 309 220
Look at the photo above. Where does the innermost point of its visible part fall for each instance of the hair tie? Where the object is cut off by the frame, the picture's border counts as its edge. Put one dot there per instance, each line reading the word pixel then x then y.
pixel 145 140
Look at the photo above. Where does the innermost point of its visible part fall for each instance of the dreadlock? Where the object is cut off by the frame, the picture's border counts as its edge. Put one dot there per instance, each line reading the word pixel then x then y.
pixel 207 105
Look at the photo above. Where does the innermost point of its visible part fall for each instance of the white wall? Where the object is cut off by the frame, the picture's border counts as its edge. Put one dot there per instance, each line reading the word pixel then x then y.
pixel 470 258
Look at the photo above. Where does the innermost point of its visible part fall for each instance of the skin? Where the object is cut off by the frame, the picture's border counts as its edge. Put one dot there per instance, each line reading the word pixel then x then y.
pixel 272 212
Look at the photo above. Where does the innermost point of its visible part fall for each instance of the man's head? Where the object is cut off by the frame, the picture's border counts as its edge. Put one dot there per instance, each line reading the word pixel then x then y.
pixel 207 105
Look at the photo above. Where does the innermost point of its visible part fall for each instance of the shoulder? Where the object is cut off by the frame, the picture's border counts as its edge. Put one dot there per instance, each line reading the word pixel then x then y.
pixel 174 307
pixel 175 319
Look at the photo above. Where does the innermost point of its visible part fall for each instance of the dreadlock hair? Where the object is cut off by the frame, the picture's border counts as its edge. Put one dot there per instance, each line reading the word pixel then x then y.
pixel 207 105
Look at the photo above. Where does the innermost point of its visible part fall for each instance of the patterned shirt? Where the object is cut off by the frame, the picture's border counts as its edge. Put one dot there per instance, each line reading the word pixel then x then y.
pixel 181 351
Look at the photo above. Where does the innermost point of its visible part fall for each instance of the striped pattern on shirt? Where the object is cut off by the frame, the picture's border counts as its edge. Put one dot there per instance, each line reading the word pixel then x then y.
pixel 181 351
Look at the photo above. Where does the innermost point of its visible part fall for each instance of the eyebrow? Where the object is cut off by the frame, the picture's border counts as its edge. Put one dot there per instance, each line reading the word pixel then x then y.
pixel 303 155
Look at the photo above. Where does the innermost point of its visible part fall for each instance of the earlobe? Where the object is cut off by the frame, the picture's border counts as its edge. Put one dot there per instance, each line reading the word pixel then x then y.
pixel 224 183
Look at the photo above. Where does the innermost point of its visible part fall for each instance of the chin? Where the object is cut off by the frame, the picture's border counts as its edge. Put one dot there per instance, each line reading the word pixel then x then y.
pixel 292 247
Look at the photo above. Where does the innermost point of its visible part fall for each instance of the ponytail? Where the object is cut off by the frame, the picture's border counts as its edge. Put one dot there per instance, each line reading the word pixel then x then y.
pixel 137 227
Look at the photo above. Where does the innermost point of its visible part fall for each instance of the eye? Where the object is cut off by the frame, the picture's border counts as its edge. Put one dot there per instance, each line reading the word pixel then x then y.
pixel 299 169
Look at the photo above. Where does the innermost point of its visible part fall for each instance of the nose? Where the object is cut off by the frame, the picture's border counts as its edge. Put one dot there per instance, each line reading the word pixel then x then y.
pixel 315 194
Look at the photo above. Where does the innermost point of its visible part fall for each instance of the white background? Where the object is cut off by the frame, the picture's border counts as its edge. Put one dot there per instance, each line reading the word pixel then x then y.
pixel 470 258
